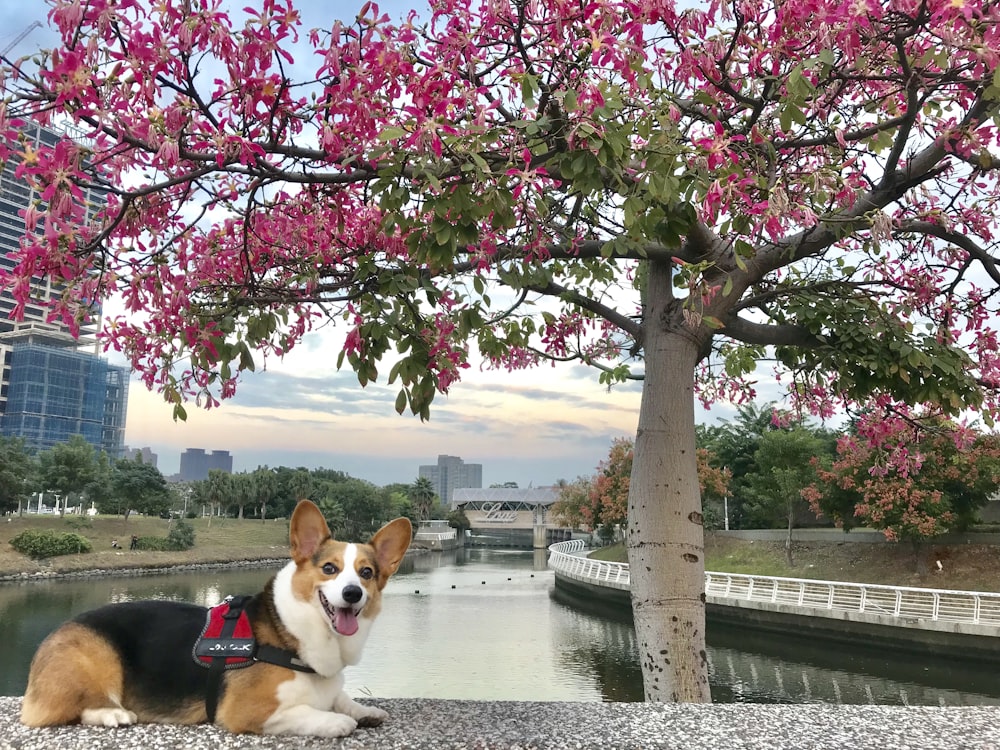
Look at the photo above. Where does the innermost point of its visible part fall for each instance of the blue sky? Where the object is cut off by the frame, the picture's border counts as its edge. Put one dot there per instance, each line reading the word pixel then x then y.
pixel 531 427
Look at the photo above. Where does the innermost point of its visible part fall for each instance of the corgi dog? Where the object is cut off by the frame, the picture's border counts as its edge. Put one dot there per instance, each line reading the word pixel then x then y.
pixel 156 661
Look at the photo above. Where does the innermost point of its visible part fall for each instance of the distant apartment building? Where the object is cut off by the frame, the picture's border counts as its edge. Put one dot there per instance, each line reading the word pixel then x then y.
pixel 451 473
pixel 146 454
pixel 196 463
pixel 51 386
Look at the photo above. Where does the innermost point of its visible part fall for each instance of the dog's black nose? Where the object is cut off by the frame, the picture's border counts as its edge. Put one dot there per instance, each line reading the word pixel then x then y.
pixel 352 594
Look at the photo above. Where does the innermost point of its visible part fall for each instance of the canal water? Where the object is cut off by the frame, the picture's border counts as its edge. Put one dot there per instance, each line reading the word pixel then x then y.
pixel 485 624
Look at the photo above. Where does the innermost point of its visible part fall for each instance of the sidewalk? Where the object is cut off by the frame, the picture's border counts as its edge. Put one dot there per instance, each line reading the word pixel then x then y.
pixel 451 725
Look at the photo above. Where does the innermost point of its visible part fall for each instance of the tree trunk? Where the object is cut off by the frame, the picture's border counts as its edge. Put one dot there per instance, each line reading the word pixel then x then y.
pixel 921 555
pixel 666 538
pixel 788 538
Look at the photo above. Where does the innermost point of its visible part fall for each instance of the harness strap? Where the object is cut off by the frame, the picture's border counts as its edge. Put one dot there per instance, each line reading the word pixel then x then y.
pixel 229 620
pixel 282 658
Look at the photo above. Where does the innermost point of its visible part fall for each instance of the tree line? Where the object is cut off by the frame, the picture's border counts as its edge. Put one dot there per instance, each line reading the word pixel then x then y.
pixel 76 475
pixel 354 508
pixel 769 469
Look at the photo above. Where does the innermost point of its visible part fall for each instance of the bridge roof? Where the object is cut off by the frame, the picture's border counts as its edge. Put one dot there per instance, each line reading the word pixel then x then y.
pixel 527 495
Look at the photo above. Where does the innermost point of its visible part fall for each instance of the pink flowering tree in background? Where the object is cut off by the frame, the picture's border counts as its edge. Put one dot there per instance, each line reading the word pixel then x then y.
pixel 676 194
pixel 912 476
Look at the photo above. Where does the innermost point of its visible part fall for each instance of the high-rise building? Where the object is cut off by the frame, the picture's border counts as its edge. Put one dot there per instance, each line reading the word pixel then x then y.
pixel 51 386
pixel 196 463
pixel 451 473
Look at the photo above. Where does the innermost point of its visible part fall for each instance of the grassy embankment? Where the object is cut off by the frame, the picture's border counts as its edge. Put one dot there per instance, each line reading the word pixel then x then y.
pixel 968 567
pixel 216 540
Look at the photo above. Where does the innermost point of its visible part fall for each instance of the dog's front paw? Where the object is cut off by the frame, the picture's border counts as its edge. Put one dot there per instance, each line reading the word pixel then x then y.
pixel 370 716
pixel 335 725
pixel 107 717
pixel 305 720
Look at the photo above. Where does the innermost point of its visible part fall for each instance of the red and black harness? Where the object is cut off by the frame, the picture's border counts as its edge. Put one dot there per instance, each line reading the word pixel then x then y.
pixel 227 642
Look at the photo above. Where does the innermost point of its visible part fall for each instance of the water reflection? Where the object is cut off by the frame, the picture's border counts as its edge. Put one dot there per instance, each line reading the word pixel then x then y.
pixel 490 625
pixel 748 666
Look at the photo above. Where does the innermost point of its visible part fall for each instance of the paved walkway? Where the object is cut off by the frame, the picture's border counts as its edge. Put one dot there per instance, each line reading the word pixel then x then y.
pixel 474 725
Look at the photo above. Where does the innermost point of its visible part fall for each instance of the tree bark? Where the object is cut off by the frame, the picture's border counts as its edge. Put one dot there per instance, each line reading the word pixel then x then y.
pixel 788 538
pixel 665 534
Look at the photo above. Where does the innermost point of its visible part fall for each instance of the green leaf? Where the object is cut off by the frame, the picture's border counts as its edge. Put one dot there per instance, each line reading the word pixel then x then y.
pixel 401 401
pixel 246 358
pixel 391 134
pixel 785 118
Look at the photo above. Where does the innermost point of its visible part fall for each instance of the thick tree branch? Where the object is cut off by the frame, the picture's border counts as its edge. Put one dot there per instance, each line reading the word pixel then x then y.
pixel 632 327
pixel 770 335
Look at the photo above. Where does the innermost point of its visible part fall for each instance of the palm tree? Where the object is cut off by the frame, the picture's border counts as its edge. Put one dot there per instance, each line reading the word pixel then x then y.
pixel 265 488
pixel 422 496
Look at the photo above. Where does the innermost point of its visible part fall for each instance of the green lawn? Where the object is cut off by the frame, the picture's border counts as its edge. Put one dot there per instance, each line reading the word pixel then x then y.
pixel 970 567
pixel 216 540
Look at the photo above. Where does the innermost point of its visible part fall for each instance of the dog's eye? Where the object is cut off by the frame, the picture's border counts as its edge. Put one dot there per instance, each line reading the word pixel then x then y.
pixel 329 569
pixel 366 573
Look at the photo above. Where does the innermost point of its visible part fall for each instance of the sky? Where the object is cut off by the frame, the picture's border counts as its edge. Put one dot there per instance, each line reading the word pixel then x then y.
pixel 533 427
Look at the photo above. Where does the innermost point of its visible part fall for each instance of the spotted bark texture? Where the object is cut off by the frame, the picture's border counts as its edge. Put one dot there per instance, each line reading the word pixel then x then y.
pixel 665 532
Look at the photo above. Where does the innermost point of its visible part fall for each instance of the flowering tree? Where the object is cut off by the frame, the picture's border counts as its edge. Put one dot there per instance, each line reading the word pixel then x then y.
pixel 601 502
pixel 609 490
pixel 712 480
pixel 665 193
pixel 573 508
pixel 913 477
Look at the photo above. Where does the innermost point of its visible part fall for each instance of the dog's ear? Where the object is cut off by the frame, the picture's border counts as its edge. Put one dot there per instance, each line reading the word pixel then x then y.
pixel 308 530
pixel 390 543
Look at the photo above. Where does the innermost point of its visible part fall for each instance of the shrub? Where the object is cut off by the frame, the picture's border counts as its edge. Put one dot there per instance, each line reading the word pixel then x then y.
pixel 39 544
pixel 153 543
pixel 181 535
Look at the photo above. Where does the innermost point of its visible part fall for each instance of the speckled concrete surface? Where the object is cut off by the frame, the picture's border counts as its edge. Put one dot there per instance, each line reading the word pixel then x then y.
pixel 450 725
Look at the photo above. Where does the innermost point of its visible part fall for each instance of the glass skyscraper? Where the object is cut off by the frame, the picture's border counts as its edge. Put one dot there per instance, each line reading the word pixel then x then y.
pixel 52 385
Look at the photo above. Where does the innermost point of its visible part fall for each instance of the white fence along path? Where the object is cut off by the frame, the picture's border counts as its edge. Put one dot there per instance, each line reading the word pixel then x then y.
pixel 898 605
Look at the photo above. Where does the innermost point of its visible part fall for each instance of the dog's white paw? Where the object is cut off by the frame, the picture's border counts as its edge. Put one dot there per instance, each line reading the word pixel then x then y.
pixel 334 725
pixel 370 716
pixel 304 720
pixel 107 717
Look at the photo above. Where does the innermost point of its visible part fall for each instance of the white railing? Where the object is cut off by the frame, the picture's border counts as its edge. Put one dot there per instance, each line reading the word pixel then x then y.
pixel 563 560
pixel 970 607
pixel 435 536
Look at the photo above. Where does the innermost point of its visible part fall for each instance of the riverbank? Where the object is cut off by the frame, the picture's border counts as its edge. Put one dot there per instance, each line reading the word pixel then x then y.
pixel 468 725
pixel 219 543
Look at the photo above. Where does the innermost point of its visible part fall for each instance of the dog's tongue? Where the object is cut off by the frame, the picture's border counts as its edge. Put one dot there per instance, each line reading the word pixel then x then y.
pixel 346 622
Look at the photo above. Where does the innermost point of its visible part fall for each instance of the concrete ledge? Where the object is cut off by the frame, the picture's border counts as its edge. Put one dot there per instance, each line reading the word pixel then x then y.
pixel 450 725
pixel 944 639
pixel 959 641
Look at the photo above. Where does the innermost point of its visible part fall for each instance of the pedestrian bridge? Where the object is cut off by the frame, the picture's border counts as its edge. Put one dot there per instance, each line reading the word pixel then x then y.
pixel 968 621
